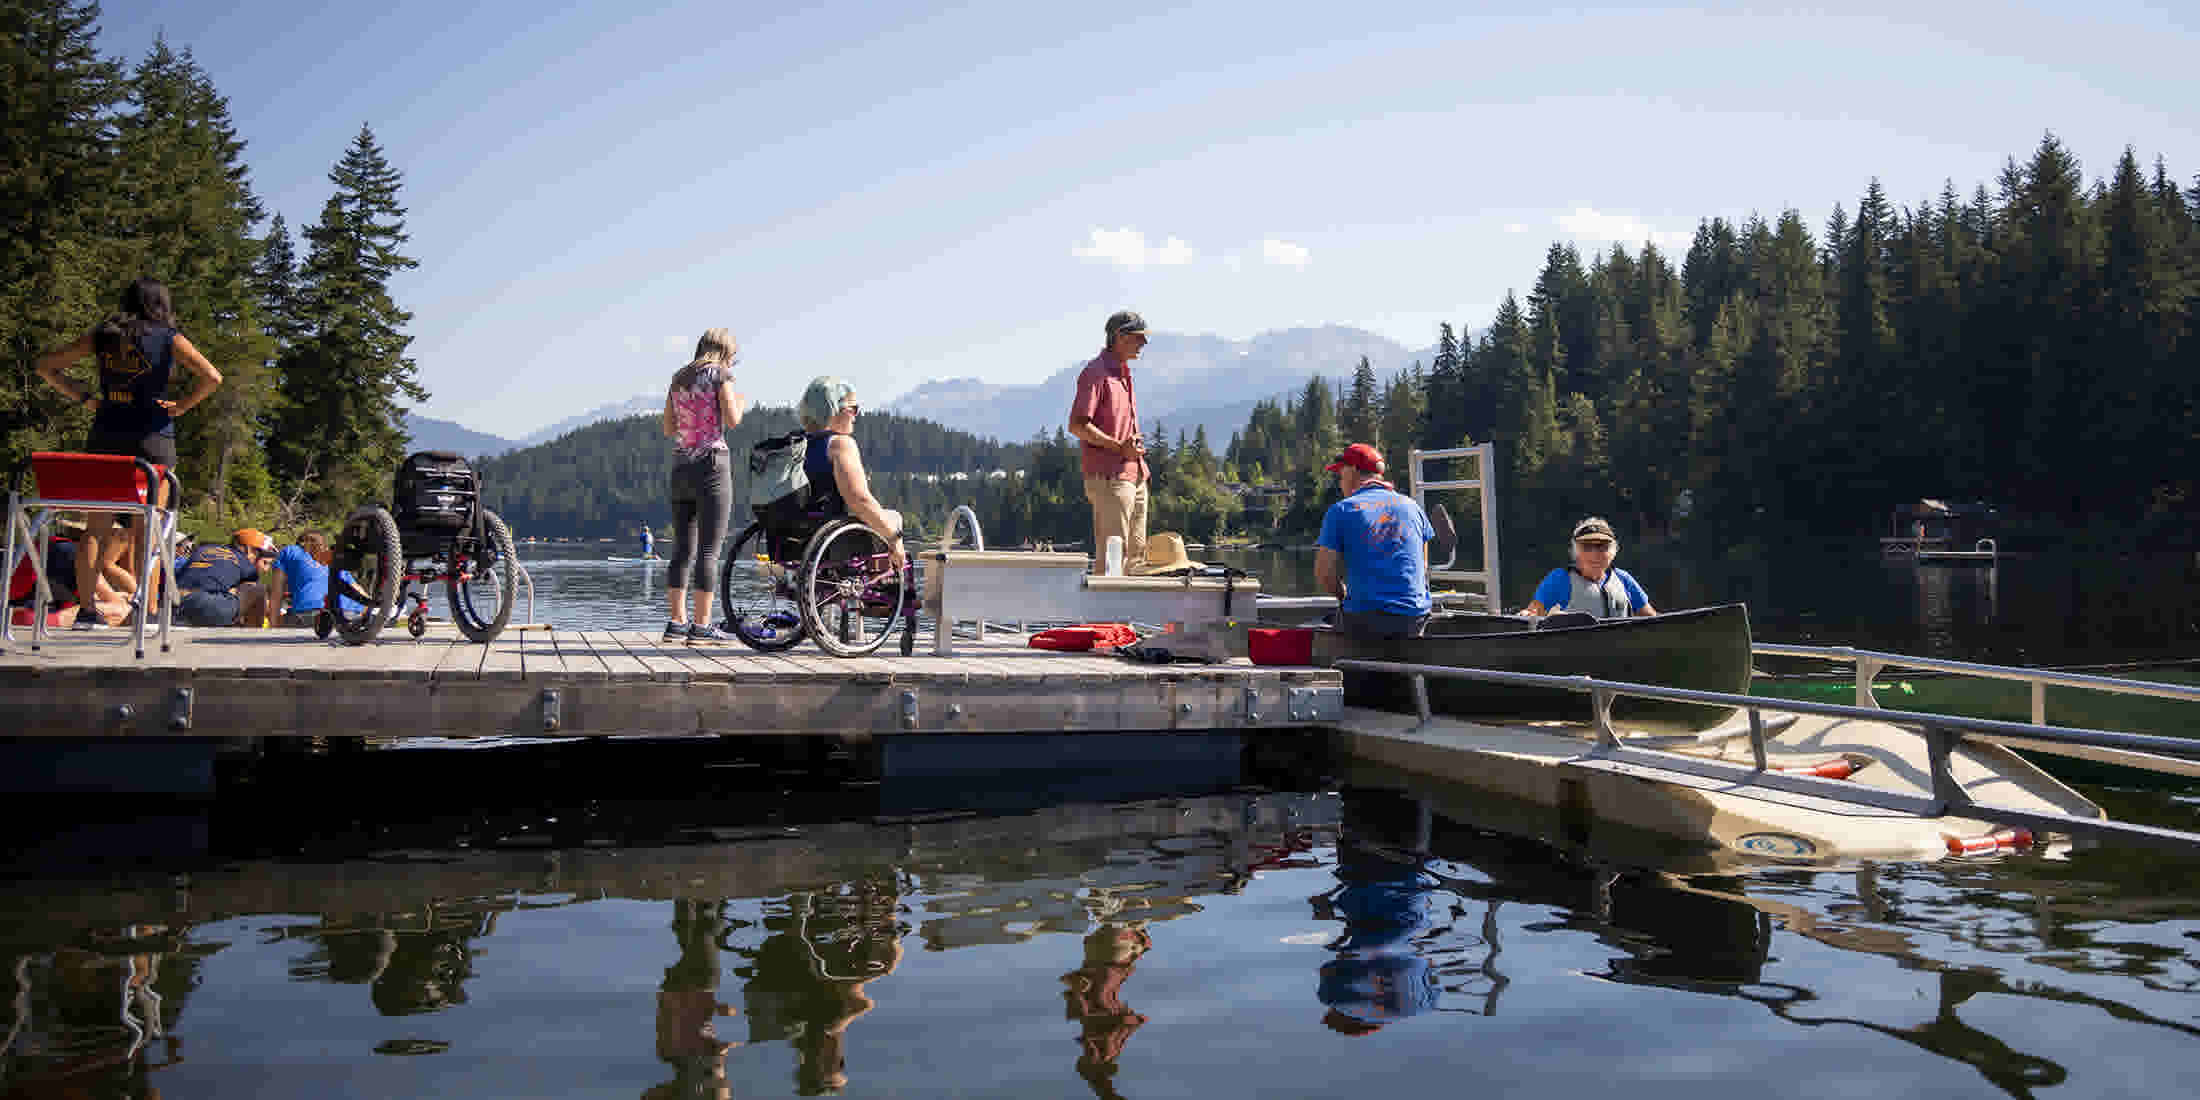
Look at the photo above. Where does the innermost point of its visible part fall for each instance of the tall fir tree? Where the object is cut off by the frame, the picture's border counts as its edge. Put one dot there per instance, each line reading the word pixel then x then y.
pixel 57 204
pixel 190 213
pixel 1362 414
pixel 347 382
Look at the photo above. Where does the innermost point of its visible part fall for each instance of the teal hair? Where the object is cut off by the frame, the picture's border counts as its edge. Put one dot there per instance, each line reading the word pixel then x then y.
pixel 822 400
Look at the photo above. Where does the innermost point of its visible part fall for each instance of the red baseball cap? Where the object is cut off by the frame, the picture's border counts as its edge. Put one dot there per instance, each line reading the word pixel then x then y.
pixel 1360 457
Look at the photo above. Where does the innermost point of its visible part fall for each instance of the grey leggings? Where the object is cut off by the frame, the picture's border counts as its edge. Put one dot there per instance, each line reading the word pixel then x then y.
pixel 701 490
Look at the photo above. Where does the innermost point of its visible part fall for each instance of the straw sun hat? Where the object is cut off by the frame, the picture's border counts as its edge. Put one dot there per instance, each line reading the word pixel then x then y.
pixel 1165 554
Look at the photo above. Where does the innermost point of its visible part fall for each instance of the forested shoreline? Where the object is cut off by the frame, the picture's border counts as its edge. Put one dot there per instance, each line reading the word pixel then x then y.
pixel 110 171
pixel 2027 343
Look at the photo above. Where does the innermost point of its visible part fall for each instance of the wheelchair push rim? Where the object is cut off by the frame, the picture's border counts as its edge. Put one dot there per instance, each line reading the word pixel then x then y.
pixel 850 593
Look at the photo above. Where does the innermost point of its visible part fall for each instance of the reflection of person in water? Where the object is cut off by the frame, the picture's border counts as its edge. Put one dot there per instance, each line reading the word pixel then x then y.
pixel 1094 998
pixel 806 982
pixel 425 972
pixel 1378 975
pixel 688 1008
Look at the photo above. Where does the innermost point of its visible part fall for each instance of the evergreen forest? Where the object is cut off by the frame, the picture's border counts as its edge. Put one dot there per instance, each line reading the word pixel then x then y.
pixel 2026 342
pixel 109 171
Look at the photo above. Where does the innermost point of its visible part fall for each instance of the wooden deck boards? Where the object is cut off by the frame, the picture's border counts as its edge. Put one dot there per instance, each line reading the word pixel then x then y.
pixel 603 682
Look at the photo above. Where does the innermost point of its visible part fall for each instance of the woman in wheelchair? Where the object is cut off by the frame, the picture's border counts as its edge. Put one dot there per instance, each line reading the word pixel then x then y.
pixel 838 484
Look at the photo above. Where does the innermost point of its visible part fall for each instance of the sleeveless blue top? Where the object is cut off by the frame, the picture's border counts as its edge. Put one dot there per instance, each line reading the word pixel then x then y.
pixel 818 467
pixel 131 384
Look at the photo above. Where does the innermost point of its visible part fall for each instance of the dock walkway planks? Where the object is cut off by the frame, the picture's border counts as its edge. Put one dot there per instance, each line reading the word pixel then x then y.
pixel 228 682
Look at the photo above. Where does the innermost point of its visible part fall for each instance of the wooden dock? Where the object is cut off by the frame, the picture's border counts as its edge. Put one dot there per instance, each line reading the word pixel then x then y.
pixel 237 682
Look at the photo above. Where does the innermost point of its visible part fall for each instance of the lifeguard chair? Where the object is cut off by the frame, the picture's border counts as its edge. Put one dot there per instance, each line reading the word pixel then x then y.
pixel 120 485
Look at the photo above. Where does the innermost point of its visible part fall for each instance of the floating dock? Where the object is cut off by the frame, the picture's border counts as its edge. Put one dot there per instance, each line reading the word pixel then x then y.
pixel 238 682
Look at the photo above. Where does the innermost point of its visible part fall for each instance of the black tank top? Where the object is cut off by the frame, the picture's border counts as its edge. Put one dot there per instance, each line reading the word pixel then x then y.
pixel 132 383
pixel 817 465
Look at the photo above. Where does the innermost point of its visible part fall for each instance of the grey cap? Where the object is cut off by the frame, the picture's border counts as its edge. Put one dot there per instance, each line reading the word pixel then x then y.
pixel 1125 321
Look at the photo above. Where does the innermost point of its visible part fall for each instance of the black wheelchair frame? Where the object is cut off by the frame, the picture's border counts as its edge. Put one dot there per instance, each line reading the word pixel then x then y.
pixel 824 577
pixel 440 531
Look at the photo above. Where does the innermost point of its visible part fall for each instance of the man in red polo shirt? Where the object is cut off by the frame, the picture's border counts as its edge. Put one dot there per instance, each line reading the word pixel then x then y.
pixel 1104 418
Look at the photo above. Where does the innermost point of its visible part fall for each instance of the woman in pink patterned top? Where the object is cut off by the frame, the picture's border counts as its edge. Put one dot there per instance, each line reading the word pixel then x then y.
pixel 699 406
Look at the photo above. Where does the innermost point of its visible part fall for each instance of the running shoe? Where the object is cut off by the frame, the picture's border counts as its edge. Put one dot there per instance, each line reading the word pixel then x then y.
pixel 701 634
pixel 675 632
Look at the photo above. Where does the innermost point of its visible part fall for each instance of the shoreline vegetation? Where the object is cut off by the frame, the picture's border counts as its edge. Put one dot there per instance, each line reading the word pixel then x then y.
pixel 2027 343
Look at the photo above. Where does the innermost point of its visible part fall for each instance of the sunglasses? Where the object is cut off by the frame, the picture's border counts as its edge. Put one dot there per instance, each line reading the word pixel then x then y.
pixel 851 407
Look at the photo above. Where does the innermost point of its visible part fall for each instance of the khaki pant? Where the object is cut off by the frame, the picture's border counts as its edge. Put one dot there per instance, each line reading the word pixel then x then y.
pixel 1118 508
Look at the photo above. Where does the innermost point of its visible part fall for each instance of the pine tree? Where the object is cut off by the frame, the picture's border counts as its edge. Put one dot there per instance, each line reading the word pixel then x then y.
pixel 1447 419
pixel 276 278
pixel 1363 407
pixel 190 212
pixel 56 204
pixel 1403 406
pixel 346 382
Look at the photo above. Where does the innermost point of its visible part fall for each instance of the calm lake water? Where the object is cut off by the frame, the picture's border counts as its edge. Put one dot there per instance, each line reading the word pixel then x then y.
pixel 1199 918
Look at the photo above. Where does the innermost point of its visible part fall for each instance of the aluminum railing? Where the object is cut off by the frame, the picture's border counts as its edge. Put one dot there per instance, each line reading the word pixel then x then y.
pixel 1870 663
pixel 1940 732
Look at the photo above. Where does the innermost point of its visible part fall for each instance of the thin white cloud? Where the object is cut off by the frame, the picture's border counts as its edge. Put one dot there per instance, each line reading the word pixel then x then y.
pixel 1595 225
pixel 1285 254
pixel 1516 227
pixel 1128 248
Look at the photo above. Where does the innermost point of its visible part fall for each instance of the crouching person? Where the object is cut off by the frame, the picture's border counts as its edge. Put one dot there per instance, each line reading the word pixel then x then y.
pixel 220 585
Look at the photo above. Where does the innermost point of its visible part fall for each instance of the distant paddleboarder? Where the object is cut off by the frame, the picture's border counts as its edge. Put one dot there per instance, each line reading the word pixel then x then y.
pixel 649 542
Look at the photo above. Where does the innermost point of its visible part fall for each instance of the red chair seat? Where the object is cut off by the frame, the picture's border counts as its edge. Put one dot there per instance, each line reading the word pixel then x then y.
pixel 65 475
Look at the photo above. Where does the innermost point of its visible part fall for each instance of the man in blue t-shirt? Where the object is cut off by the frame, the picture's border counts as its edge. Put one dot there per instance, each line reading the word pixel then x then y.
pixel 299 581
pixel 1373 551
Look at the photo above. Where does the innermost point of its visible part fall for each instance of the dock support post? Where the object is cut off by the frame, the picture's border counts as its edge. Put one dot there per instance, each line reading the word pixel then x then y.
pixel 1867 670
pixel 1757 737
pixel 1420 699
pixel 2039 703
pixel 1947 793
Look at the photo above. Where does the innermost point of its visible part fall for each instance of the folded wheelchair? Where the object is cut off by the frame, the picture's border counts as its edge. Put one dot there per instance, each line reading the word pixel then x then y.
pixel 440 531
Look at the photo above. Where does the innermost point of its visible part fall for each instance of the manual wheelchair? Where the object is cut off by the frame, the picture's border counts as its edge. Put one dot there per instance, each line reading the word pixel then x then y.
pixel 440 530
pixel 795 573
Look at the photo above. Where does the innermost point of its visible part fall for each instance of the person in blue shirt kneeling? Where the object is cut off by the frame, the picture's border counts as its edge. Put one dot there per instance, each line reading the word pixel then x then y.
pixel 1591 584
pixel 300 581
pixel 1373 551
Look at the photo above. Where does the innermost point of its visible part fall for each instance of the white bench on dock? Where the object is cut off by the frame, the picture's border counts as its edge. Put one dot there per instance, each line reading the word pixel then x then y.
pixel 1026 587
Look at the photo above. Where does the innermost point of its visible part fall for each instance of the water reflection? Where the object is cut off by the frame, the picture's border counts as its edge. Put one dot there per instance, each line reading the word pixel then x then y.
pixel 1093 998
pixel 1379 973
pixel 806 981
pixel 688 1007
pixel 94 1017
pixel 1388 935
pixel 1966 941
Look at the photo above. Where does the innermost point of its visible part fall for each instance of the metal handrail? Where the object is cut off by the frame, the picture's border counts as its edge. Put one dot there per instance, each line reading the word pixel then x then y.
pixel 1941 733
pixel 1869 664
pixel 527 579
pixel 977 542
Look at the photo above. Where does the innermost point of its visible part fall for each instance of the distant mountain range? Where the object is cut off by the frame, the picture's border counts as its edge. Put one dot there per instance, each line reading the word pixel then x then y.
pixel 1182 382
pixel 431 434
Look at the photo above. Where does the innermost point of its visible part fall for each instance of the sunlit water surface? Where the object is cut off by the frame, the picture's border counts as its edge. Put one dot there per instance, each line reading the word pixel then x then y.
pixel 653 921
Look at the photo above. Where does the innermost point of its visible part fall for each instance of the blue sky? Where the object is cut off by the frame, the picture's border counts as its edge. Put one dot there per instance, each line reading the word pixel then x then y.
pixel 896 193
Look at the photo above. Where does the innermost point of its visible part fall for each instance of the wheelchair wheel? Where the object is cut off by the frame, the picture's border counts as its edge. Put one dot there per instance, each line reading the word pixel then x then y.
pixel 370 549
pixel 484 580
pixel 851 597
pixel 758 595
